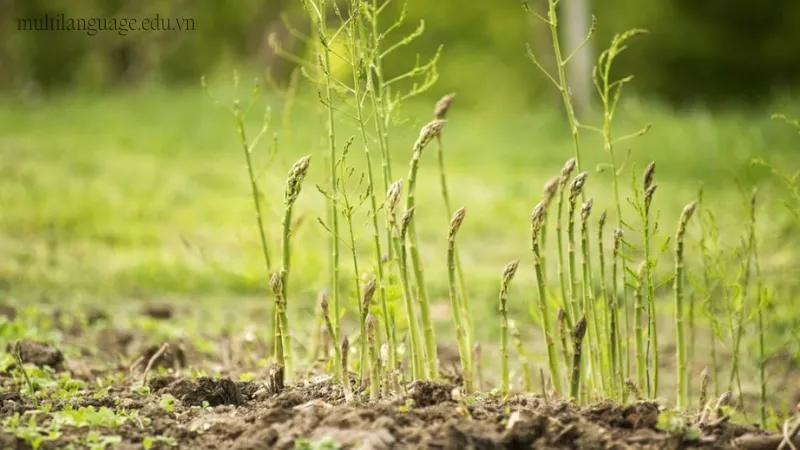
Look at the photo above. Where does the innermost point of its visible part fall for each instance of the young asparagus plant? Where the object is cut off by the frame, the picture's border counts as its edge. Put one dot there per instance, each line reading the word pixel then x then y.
pixel 566 173
pixel 575 190
pixel 679 316
pixel 354 30
pixel 595 353
pixel 508 274
pixel 476 362
pixel 426 135
pixel 616 337
pixel 419 367
pixel 374 362
pixel 439 113
pixel 563 330
pixel 608 334
pixel 744 291
pixel 524 361
pixel 337 351
pixel 761 296
pixel 280 305
pixel 549 192
pixel 398 236
pixel 366 303
pixel 461 337
pixel 652 332
pixel 577 341
pixel 537 218
pixel 318 16
pixel 348 390
pixel 703 389
pixel 293 185
pixel 638 329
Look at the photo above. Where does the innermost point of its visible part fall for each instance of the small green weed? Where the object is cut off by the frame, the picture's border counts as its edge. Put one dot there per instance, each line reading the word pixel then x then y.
pixel 326 443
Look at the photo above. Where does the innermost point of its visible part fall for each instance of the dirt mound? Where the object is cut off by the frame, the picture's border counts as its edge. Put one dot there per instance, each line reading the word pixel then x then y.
pixel 219 413
pixel 37 353
pixel 196 392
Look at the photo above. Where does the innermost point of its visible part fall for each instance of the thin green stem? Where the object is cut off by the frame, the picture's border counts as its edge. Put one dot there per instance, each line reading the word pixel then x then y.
pixel 563 330
pixel 463 345
pixel 639 317
pixel 682 400
pixel 595 353
pixel 762 299
pixel 577 342
pixel 356 37
pixel 609 334
pixel 374 361
pixel 613 306
pixel 417 356
pixel 648 190
pixel 462 293
pixel 293 186
pixel 345 374
pixel 325 70
pixel 537 218
pixel 569 307
pixel 524 361
pixel 337 351
pixel 253 185
pixel 562 80
pixel 426 135
pixel 709 297
pixel 573 277
pixel 508 274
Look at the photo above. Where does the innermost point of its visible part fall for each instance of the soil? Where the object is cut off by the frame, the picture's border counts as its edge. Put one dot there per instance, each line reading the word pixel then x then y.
pixel 222 413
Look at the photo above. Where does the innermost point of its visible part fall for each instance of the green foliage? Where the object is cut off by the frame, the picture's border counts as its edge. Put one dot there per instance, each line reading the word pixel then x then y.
pixel 326 443
pixel 755 45
pixel 89 416
pixel 29 430
pixel 149 441
pixel 96 441
pixel 672 422
pixel 167 403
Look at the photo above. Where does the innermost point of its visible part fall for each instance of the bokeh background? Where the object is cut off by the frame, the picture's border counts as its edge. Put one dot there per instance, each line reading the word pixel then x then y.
pixel 708 52
pixel 122 181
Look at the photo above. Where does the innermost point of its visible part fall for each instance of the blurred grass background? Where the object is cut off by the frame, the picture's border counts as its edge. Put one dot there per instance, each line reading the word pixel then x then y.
pixel 121 180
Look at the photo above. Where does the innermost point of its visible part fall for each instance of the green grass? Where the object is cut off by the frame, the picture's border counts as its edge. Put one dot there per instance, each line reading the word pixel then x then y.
pixel 143 195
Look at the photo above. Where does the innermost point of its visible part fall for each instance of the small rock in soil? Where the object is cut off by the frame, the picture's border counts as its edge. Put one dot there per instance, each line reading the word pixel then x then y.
pixel 38 353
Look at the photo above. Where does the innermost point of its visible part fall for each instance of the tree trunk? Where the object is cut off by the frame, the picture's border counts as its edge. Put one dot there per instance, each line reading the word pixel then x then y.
pixel 575 23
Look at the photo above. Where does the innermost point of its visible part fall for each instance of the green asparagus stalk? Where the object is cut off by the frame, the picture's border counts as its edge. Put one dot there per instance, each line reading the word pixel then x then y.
pixel 577 341
pixel 638 330
pixel 524 361
pixel 426 135
pixel 419 367
pixel 537 218
pixel 337 351
pixel 679 315
pixel 293 185
pixel 374 362
pixel 652 332
pixel 508 275
pixel 566 173
pixel 461 337
pixel 348 390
